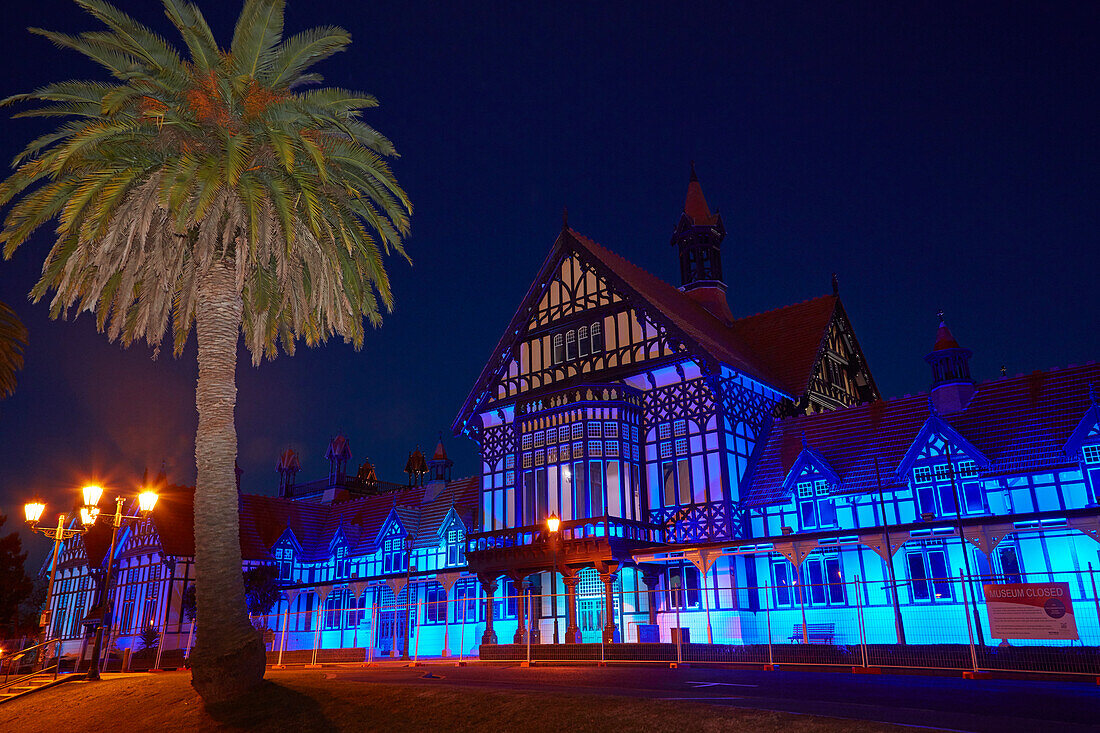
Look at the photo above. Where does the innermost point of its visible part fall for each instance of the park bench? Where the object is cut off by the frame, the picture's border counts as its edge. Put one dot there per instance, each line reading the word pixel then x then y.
pixel 815 633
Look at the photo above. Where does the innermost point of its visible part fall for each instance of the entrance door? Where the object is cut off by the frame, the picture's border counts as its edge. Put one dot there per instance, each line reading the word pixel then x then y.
pixel 590 619
pixel 391 625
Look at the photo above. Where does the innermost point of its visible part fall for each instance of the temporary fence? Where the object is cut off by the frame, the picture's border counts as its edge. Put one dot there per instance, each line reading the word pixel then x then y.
pixel 1047 622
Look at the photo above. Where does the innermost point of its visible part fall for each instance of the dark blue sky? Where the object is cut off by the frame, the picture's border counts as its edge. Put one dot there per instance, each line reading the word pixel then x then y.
pixel 933 154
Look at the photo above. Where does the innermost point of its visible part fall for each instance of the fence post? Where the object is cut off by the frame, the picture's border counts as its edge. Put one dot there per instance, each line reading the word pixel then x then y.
pixel 768 617
pixel 862 622
pixel 679 630
pixel 462 630
pixel 416 650
pixel 969 625
pixel 1095 598
pixel 317 633
pixel 530 621
pixel 373 632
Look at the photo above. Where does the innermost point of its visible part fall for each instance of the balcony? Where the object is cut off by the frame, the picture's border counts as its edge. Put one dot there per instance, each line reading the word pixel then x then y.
pixel 582 541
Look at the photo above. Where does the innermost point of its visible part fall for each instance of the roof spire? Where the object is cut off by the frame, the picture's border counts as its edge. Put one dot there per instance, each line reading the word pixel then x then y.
pixel 836 284
pixel 564 218
pixel 693 176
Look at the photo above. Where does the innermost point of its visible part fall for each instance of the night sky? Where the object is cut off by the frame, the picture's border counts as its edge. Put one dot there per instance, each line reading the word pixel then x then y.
pixel 934 156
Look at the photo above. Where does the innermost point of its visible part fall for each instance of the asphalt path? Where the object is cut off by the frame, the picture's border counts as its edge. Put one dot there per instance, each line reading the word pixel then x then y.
pixel 936 702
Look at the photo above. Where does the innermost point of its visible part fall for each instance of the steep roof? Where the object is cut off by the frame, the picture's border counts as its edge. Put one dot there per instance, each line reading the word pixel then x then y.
pixel 265 519
pixel 778 347
pixel 1020 424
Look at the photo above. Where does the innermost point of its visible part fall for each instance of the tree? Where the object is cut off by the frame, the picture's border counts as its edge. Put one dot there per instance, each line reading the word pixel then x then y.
pixel 210 189
pixel 150 640
pixel 261 589
pixel 15 586
pixel 13 339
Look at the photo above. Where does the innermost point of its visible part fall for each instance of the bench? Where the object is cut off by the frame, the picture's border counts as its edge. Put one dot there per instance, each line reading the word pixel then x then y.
pixel 815 633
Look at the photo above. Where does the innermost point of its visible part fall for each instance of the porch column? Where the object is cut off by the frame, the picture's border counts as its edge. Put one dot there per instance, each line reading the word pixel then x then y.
pixel 610 632
pixel 488 587
pixel 651 577
pixel 534 592
pixel 572 631
pixel 520 637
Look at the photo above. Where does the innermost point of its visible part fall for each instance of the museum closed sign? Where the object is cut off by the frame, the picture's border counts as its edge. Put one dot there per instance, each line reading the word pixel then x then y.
pixel 1030 611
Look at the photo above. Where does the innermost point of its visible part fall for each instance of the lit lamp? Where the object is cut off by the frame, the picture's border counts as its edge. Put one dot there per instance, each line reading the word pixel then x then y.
pixel 552 524
pixel 33 511
pixel 89 513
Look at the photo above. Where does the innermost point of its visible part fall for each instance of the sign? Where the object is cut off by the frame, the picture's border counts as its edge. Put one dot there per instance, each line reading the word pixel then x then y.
pixel 1030 611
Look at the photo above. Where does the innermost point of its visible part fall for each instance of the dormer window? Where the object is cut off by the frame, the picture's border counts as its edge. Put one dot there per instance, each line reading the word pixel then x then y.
pixel 936 487
pixel 815 506
pixel 1091 454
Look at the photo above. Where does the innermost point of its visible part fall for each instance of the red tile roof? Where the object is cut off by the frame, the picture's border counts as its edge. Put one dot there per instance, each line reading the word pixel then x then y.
pixel 789 339
pixel 1020 424
pixel 944 339
pixel 264 520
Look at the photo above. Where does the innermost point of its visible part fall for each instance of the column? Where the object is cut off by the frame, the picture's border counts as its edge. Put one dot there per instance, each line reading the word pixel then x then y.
pixel 572 631
pixel 488 587
pixel 520 637
pixel 534 593
pixel 610 632
pixel 651 577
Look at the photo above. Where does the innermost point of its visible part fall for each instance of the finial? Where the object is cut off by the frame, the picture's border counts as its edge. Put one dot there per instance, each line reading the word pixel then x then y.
pixel 804 440
pixel 693 176
pixel 564 218
pixel 836 284
pixel 1004 371
pixel 939 315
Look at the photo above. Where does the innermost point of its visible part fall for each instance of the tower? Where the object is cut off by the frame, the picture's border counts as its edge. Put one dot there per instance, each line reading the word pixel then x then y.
pixel 288 467
pixel 952 385
pixel 439 472
pixel 698 238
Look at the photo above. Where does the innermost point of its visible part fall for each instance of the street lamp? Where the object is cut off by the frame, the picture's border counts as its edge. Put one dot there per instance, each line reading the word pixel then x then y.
pixel 89 513
pixel 552 524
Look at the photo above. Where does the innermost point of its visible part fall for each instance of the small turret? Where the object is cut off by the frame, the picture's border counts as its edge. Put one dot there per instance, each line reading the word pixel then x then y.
pixel 698 237
pixel 288 467
pixel 439 471
pixel 338 454
pixel 952 385
pixel 416 467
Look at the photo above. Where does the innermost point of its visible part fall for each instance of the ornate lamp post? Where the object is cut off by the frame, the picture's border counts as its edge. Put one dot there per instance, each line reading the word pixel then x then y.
pixel 89 513
pixel 552 524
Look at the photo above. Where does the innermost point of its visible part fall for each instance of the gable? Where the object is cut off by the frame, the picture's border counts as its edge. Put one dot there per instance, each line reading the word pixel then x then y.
pixel 575 288
pixel 1087 430
pixel 936 440
pixel 809 464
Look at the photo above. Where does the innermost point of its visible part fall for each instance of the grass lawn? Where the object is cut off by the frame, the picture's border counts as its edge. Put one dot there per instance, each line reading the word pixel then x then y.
pixel 308 701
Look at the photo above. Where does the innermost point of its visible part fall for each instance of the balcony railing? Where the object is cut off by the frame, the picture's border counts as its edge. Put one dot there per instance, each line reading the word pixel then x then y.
pixel 576 529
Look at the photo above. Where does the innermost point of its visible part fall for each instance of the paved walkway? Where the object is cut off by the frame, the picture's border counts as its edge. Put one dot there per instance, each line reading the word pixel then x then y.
pixel 942 702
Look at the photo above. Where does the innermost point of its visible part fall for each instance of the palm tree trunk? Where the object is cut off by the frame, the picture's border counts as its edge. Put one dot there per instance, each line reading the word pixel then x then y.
pixel 228 659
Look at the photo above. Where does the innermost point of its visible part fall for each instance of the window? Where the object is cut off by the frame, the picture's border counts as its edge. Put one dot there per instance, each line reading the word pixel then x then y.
pixel 922 474
pixel 597 339
pixel 393 555
pixel 570 345
pixel 666 449
pixel 664 431
pixel 526 441
pixel 937 486
pixel 559 348
pixel 563 433
pixel 595 448
pixel 526 460
pixel 815 505
pixel 823 580
pixel 578 430
pixel 681 446
pixel 611 429
pixel 783 584
pixel 928 574
pixel 967 469
pixel 565 452
pixel 634 433
pixel 509 478
pixel 540 457
pixel 540 439
pixel 611 448
pixel 510 460
pixel 1091 453
pixel 1009 562
pixel 582 341
pixel 454 540
pixel 680 427
pixel 333 607
pixel 594 429
pixel 435 610
pixel 682 586
pixel 552 454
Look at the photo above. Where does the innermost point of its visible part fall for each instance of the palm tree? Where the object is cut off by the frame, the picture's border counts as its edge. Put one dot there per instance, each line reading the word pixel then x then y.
pixel 212 187
pixel 13 339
